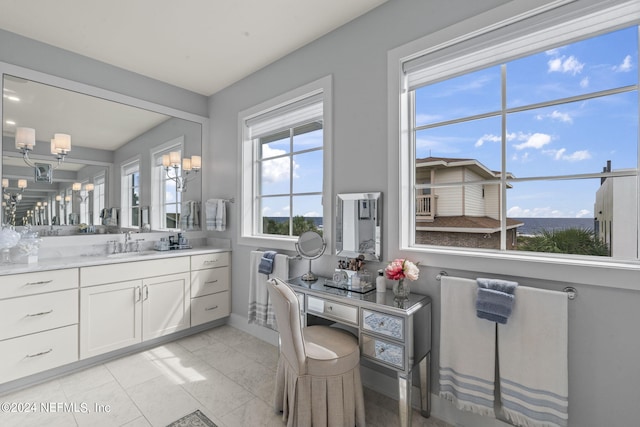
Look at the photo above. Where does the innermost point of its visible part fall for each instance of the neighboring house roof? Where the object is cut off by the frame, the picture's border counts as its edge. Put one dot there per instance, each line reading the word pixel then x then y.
pixel 468 224
pixel 448 162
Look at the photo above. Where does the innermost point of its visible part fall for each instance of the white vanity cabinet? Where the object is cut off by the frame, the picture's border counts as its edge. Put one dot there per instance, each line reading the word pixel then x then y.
pixel 210 287
pixel 127 303
pixel 39 318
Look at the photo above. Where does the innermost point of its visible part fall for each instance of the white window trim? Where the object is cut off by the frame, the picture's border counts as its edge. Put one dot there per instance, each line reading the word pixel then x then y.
pixel 512 21
pixel 125 168
pixel 248 180
pixel 157 190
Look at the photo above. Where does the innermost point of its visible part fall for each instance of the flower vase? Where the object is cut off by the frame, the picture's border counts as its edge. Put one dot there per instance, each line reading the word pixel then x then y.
pixel 401 290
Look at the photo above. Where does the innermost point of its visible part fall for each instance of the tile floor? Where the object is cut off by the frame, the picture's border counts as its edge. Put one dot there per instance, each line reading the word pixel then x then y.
pixel 224 372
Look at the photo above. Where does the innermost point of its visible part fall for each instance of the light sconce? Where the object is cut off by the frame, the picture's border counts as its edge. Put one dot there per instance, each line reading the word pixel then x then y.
pixel 13 198
pixel 77 190
pixel 172 160
pixel 60 147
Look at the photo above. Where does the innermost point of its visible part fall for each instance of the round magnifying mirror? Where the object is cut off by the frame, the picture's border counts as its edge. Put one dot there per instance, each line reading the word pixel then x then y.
pixel 310 246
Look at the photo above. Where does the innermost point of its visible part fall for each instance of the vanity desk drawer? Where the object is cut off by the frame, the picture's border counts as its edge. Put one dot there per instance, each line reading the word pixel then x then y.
pixel 332 309
pixel 17 285
pixel 35 313
pixel 213 260
pixel 209 308
pixel 384 324
pixel 382 351
pixel 209 281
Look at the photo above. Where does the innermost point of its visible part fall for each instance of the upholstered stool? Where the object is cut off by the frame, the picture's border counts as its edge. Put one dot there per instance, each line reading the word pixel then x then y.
pixel 318 380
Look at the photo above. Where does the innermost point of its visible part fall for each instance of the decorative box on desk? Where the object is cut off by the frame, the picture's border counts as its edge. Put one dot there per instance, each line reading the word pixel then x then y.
pixel 396 335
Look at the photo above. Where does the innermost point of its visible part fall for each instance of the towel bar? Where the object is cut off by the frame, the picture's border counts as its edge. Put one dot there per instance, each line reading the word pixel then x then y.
pixel 572 293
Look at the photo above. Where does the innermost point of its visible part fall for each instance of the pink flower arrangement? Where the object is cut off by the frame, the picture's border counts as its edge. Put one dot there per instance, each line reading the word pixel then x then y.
pixel 400 268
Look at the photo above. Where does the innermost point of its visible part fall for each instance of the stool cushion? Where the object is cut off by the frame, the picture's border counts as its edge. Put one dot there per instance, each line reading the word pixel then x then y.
pixel 330 351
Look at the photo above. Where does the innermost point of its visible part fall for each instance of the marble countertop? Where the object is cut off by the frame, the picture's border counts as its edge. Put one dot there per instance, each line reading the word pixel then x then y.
pixel 102 259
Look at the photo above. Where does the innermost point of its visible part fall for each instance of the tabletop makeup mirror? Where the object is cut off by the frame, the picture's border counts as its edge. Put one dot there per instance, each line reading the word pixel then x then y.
pixel 111 138
pixel 359 225
pixel 310 245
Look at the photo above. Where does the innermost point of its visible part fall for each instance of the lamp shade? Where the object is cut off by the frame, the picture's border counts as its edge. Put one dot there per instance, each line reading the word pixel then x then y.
pixel 61 143
pixel 25 138
pixel 22 183
pixel 196 162
pixel 58 198
pixel 166 160
pixel 89 187
pixel 174 157
pixel 76 186
pixel 5 183
pixel 186 164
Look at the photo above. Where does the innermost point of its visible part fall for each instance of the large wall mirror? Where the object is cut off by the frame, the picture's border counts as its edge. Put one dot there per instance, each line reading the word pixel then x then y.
pixel 359 225
pixel 129 166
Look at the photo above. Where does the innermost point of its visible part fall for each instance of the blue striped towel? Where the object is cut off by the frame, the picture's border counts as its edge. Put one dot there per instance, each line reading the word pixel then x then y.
pixel 266 262
pixel 495 299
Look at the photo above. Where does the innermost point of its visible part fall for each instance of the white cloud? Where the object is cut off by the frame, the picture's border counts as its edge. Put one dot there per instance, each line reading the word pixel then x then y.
pixel 576 156
pixel 563 64
pixel 546 212
pixel 625 66
pixel 584 213
pixel 584 83
pixel 276 170
pixel 487 138
pixel 427 118
pixel 312 214
pixel 557 116
pixel 537 140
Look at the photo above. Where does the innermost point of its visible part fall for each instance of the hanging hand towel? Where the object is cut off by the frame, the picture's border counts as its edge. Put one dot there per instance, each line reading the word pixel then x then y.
pixel 216 214
pixel 260 309
pixel 533 357
pixel 467 349
pixel 266 263
pixel 495 299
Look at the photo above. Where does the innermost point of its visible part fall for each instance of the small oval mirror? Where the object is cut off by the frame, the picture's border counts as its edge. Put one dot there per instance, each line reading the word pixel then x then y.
pixel 310 246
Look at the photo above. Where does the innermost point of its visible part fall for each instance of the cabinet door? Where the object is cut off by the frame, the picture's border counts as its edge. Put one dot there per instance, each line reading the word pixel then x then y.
pixel 165 305
pixel 110 317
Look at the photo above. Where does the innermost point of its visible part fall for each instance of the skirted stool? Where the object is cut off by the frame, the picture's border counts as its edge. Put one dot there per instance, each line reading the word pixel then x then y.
pixel 318 379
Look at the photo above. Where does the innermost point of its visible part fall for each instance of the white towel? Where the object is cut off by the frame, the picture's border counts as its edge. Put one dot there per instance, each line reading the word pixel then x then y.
pixel 216 214
pixel 467 349
pixel 533 356
pixel 260 309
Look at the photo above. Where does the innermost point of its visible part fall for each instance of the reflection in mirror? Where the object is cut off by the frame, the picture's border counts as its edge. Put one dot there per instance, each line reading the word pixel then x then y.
pixel 358 225
pixel 69 167
pixel 310 245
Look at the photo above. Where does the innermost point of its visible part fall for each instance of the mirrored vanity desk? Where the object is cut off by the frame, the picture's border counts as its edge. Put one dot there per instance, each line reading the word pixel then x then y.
pixel 391 334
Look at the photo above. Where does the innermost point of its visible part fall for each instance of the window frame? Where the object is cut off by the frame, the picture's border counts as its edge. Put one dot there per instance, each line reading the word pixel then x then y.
pixel 249 181
pixel 552 24
pixel 158 185
pixel 126 169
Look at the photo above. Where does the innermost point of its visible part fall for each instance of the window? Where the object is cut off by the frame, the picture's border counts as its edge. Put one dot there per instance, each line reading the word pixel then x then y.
pixel 98 198
pixel 130 194
pixel 166 198
pixel 526 145
pixel 285 176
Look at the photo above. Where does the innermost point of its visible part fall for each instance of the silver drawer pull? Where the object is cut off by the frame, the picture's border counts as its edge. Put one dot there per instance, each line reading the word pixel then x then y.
pixel 211 308
pixel 381 324
pixel 330 307
pixel 42 282
pixel 39 354
pixel 42 313
pixel 210 261
pixel 211 281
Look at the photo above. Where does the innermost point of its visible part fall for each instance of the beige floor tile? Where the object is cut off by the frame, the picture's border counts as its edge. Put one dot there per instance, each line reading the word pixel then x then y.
pixel 162 401
pixel 223 357
pixel 107 405
pixel 37 406
pixel 255 414
pixel 257 378
pixel 86 380
pixel 218 393
pixel 133 369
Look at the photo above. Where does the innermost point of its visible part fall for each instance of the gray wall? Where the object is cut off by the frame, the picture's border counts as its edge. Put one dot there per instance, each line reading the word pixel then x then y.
pixel 604 376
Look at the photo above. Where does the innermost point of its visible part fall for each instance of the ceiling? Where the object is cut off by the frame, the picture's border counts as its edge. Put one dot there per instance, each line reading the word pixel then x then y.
pixel 200 45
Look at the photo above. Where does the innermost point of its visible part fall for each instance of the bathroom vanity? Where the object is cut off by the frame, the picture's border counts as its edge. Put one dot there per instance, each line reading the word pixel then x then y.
pixel 97 306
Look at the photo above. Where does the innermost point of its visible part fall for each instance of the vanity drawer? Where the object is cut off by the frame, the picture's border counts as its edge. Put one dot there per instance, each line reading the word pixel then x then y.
pixel 383 351
pixel 209 281
pixel 384 324
pixel 35 313
pixel 217 259
pixel 328 308
pixel 17 285
pixel 122 272
pixel 209 308
pixel 34 353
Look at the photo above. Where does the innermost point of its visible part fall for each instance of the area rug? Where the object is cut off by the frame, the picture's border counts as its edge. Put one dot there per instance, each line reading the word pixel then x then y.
pixel 194 419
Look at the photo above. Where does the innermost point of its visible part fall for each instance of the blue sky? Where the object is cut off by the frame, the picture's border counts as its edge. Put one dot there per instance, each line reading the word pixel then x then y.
pixel 565 139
